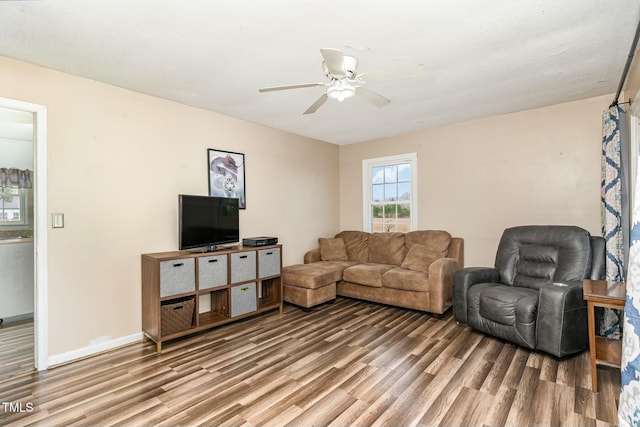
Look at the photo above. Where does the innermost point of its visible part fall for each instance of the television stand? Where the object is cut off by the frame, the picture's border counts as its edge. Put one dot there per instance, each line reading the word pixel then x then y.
pixel 185 292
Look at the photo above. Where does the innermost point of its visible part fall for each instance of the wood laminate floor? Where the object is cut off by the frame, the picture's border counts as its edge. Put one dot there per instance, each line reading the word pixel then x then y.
pixel 351 363
pixel 16 348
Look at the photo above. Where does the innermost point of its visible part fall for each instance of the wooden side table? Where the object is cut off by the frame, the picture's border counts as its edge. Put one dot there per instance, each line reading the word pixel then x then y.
pixel 603 293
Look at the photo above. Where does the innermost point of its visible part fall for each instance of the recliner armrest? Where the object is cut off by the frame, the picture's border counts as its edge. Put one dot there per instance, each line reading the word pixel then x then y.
pixel 561 327
pixel 463 279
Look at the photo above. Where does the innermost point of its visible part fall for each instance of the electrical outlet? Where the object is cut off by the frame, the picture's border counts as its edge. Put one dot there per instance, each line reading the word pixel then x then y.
pixel 57 220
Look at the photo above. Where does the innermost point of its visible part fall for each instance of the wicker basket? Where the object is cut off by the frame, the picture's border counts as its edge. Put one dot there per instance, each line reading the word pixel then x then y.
pixel 177 315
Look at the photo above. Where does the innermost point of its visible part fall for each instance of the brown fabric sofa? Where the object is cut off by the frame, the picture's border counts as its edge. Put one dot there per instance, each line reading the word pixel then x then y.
pixel 412 270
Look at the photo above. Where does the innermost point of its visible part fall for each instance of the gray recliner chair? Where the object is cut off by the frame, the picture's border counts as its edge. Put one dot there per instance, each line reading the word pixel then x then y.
pixel 533 295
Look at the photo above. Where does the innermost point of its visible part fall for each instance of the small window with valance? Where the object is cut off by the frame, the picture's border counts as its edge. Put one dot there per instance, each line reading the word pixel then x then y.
pixel 14 185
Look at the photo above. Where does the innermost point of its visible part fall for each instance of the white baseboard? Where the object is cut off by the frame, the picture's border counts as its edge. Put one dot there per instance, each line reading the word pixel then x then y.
pixel 93 349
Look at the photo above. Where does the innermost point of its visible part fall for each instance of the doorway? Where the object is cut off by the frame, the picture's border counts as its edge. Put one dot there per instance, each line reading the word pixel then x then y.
pixel 40 323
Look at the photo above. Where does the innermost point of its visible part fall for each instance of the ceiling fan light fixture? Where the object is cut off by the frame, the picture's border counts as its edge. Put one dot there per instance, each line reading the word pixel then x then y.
pixel 345 82
pixel 341 90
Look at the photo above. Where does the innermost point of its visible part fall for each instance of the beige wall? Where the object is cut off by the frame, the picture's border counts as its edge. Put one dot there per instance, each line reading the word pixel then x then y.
pixel 476 178
pixel 117 161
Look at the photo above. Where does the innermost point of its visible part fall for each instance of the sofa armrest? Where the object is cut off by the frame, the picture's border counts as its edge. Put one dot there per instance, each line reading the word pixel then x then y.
pixel 312 256
pixel 561 327
pixel 456 250
pixel 463 279
pixel 441 284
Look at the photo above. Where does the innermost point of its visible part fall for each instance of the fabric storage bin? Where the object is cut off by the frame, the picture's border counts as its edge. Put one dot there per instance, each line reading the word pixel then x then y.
pixel 212 271
pixel 177 276
pixel 243 299
pixel 176 315
pixel 243 266
pixel 268 262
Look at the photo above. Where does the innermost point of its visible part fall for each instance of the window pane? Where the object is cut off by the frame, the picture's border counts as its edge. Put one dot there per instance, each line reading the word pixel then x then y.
pixel 377 219
pixel 404 217
pixel 390 192
pixel 391 173
pixel 10 205
pixel 378 193
pixel 404 172
pixel 390 227
pixel 403 227
pixel 390 212
pixel 377 175
pixel 376 211
pixel 404 191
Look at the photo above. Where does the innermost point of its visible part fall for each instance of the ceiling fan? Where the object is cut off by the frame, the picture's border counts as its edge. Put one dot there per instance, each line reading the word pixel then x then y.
pixel 345 82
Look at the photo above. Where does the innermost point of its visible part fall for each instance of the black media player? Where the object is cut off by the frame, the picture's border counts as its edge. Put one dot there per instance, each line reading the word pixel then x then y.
pixel 259 241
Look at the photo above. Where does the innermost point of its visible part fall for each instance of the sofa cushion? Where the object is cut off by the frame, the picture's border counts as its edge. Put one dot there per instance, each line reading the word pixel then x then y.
pixel 504 311
pixel 386 248
pixel 332 249
pixel 406 280
pixel 368 274
pixel 419 258
pixel 314 275
pixel 508 305
pixel 356 244
pixel 437 240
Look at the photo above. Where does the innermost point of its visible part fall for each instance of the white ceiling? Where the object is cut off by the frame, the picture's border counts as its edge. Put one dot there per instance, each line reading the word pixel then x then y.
pixel 483 57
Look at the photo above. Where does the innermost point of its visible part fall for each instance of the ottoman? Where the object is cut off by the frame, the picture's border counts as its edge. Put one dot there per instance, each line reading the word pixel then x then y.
pixel 308 285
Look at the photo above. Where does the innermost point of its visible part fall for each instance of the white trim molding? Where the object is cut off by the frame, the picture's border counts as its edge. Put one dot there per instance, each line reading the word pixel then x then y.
pixel 41 315
pixel 100 346
pixel 634 147
pixel 635 105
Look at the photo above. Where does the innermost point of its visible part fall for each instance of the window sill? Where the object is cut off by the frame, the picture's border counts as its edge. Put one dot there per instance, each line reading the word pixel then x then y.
pixel 16 240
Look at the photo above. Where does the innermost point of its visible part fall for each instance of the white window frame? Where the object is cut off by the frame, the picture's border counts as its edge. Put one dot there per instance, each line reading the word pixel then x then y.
pixel 634 148
pixel 24 214
pixel 368 165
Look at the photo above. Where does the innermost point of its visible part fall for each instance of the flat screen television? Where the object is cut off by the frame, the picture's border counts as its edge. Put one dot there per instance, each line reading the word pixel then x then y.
pixel 207 222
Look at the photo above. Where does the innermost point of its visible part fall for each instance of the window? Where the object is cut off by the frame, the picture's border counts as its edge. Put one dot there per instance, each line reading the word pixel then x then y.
pixel 389 193
pixel 13 206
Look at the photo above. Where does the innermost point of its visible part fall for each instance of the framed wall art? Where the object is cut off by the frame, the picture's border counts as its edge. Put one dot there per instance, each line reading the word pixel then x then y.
pixel 226 175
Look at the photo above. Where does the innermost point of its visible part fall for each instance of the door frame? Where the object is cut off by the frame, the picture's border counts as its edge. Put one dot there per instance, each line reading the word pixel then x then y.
pixel 41 310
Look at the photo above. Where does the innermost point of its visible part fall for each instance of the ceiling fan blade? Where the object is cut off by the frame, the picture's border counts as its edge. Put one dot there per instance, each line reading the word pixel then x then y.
pixel 314 107
pixel 300 86
pixel 372 97
pixel 396 73
pixel 334 59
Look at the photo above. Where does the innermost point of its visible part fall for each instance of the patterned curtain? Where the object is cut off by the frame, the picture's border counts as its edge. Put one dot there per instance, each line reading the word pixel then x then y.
pixel 629 408
pixel 613 208
pixel 15 178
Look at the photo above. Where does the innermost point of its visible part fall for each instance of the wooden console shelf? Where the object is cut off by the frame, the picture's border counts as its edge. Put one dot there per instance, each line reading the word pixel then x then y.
pixel 184 292
pixel 603 351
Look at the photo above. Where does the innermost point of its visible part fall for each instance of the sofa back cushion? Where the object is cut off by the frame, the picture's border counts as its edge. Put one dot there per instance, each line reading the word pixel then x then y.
pixel 332 249
pixel 437 240
pixel 386 248
pixel 536 266
pixel 532 256
pixel 356 244
pixel 419 258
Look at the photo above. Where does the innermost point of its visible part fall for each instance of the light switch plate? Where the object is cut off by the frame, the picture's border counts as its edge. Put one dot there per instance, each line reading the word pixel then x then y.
pixel 57 220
